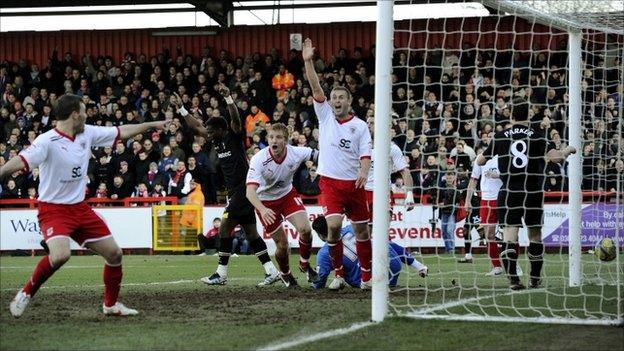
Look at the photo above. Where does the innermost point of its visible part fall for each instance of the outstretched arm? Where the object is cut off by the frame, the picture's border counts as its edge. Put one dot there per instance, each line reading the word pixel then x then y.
pixel 558 156
pixel 235 121
pixel 130 130
pixel 13 165
pixel 308 56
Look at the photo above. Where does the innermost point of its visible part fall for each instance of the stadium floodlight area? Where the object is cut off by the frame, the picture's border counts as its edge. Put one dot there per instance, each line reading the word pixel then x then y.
pixel 564 59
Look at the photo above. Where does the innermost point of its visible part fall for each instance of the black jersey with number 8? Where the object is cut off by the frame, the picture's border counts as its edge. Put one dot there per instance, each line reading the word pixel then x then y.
pixel 521 157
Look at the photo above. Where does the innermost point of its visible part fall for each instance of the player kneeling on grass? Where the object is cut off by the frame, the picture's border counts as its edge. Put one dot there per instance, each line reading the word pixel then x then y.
pixel 62 155
pixel 397 254
pixel 270 191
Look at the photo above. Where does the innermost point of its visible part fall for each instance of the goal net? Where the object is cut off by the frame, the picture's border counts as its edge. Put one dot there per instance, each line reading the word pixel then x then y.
pixel 454 85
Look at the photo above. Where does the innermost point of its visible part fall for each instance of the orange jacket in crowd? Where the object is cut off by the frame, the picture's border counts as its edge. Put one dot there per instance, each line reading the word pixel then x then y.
pixel 251 120
pixel 281 82
pixel 190 217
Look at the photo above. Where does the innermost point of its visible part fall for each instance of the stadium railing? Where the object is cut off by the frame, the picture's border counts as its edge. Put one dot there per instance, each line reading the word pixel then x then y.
pixel 553 197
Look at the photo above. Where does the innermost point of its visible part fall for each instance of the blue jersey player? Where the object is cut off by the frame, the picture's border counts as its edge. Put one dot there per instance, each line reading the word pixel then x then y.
pixel 396 253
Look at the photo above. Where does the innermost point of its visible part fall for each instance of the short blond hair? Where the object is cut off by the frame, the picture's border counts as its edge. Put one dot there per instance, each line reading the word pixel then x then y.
pixel 341 88
pixel 280 127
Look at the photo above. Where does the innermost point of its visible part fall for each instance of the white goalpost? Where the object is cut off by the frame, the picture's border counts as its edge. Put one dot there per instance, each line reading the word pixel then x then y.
pixel 453 81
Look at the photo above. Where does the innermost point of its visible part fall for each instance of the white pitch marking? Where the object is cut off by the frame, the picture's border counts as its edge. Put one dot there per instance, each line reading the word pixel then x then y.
pixel 316 337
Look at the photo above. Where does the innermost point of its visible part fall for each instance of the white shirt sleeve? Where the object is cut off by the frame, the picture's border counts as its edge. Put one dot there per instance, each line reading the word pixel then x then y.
pixel 323 110
pixel 398 161
pixel 254 175
pixel 476 171
pixel 304 154
pixel 187 183
pixel 35 154
pixel 366 143
pixel 103 136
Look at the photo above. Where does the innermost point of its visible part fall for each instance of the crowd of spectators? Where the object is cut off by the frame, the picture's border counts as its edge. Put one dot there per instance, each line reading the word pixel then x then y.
pixel 446 106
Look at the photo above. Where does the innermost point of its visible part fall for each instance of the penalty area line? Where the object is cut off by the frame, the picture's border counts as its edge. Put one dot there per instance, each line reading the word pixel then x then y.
pixel 316 337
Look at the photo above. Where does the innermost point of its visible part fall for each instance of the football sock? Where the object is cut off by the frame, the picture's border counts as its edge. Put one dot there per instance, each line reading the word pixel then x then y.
pixel 282 262
pixel 225 250
pixel 365 255
pixel 305 248
pixel 260 250
pixel 467 241
pixel 494 253
pixel 335 255
pixel 42 272
pixel 112 282
pixel 536 257
pixel 509 258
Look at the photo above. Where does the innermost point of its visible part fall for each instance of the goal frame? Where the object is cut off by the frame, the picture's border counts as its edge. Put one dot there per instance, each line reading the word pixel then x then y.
pixel 383 103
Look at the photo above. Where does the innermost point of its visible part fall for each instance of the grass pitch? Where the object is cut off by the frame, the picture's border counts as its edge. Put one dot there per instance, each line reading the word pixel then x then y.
pixel 179 312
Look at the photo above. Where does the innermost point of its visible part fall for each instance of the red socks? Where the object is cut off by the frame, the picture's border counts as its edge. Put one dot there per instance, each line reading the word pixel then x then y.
pixel 335 254
pixel 112 283
pixel 305 248
pixel 494 253
pixel 42 272
pixel 365 255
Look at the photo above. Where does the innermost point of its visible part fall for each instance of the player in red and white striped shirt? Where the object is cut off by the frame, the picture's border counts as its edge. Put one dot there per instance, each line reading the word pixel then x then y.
pixel 270 191
pixel 62 155
pixel 344 161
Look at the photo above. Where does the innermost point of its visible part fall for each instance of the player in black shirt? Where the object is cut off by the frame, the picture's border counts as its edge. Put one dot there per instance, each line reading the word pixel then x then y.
pixel 229 143
pixel 522 155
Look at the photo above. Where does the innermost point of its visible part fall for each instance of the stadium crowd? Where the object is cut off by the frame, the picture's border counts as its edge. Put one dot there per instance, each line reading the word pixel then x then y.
pixel 447 104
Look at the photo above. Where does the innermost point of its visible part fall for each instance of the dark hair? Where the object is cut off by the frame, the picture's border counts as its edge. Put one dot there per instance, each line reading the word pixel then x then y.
pixel 520 111
pixel 217 123
pixel 320 226
pixel 67 104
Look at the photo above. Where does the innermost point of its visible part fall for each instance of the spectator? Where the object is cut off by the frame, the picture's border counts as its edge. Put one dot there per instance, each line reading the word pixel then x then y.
pixel 448 201
pixel 120 190
pixel 310 183
pixel 255 119
pixel 180 182
pixel 282 81
pixel 190 218
pixel 11 191
pixel 208 243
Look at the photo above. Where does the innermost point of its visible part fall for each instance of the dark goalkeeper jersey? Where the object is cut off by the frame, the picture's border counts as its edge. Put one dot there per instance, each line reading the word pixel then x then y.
pixel 521 154
pixel 233 160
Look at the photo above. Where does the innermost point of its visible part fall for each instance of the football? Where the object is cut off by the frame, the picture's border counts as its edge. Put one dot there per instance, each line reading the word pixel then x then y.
pixel 605 250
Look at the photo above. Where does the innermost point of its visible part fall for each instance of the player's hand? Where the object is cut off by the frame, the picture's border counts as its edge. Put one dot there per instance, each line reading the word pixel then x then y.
pixel 308 50
pixel 361 180
pixel 176 101
pixel 223 90
pixel 161 125
pixel 267 215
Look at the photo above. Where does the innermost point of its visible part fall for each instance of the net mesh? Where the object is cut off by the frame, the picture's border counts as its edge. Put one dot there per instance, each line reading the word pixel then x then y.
pixel 455 84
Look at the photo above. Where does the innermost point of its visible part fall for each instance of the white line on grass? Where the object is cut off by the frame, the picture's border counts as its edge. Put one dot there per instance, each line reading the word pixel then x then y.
pixel 316 337
pixel 174 282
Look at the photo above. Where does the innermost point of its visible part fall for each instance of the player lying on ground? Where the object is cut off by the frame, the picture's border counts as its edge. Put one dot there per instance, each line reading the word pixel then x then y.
pixel 62 155
pixel 229 143
pixel 522 154
pixel 270 191
pixel 344 162
pixel 397 254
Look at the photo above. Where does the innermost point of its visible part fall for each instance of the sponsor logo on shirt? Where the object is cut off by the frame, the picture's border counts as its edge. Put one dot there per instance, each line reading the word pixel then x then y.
pixel 224 154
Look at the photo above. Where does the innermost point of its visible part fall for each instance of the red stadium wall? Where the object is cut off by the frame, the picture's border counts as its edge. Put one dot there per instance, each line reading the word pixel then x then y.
pixel 499 33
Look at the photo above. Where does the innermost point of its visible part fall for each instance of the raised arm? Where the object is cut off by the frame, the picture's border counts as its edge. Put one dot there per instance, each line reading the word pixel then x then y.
pixel 308 56
pixel 194 124
pixel 235 121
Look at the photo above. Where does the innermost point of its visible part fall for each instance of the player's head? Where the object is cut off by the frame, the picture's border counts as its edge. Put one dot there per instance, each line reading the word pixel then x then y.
pixel 215 128
pixel 320 227
pixel 277 136
pixel 340 98
pixel 520 111
pixel 70 108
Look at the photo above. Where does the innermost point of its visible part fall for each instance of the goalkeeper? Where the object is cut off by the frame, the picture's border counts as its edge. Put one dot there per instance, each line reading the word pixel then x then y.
pixel 396 254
